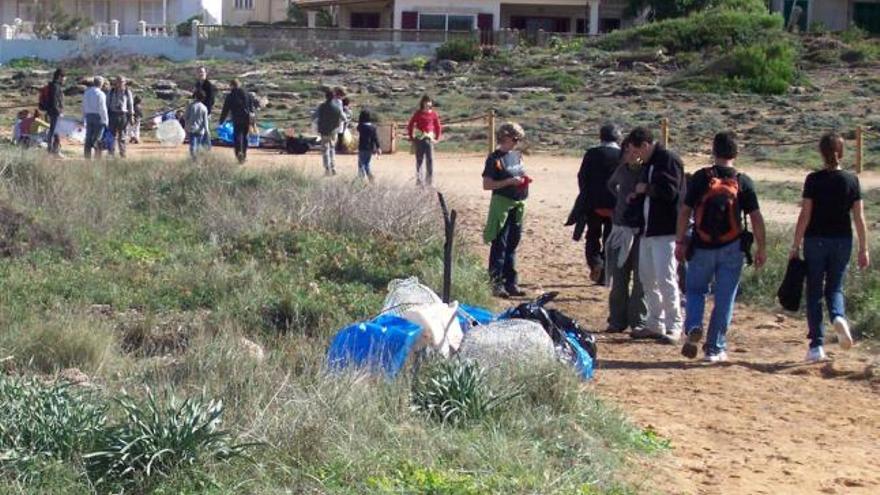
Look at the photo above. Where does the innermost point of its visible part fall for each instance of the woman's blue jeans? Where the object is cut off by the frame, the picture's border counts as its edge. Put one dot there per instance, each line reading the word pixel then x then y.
pixel 827 259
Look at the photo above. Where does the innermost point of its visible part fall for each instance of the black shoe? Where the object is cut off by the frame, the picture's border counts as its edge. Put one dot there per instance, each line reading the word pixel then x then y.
pixel 644 334
pixel 613 329
pixel 690 348
pixel 514 290
pixel 499 291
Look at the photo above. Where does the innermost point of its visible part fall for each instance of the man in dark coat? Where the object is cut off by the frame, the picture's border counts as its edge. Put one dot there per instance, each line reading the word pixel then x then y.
pixel 239 107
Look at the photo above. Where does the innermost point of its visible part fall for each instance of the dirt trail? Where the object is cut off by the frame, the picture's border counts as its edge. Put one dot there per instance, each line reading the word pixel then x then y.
pixel 762 423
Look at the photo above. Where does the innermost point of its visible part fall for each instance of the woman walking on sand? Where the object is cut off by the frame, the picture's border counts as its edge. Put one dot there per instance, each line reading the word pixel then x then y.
pixel 832 200
pixel 424 130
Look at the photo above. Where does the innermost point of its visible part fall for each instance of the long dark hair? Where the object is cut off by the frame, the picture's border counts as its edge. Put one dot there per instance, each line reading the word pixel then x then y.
pixel 365 117
pixel 831 148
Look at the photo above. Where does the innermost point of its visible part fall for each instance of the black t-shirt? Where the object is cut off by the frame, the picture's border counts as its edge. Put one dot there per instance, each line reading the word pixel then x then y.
pixel 747 198
pixel 502 165
pixel 833 193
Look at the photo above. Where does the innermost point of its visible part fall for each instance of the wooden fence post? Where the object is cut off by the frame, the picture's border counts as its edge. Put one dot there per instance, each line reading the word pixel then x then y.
pixel 664 132
pixel 449 218
pixel 491 130
pixel 859 149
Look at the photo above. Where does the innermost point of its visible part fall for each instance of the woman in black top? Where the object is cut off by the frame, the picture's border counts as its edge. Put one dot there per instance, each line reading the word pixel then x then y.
pixel 831 201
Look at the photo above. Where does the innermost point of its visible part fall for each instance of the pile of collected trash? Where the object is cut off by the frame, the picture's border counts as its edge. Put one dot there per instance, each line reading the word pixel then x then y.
pixel 415 321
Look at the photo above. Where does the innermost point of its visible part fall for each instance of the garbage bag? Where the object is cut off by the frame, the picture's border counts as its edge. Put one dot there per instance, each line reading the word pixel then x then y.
pixel 472 316
pixel 71 129
pixel 791 289
pixel 441 330
pixel 403 294
pixel 507 341
pixel 224 132
pixel 169 133
pixel 381 345
pixel 578 356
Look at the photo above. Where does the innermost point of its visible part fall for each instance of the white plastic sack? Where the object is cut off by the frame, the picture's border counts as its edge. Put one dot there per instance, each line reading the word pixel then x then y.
pixel 404 294
pixel 169 133
pixel 507 341
pixel 441 330
pixel 71 129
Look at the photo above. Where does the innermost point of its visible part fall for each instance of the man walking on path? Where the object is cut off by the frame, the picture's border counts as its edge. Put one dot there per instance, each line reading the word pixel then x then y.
pixel 595 202
pixel 239 107
pixel 626 306
pixel 718 198
pixel 660 192
pixel 328 117
pixel 54 108
pixel 95 115
pixel 120 107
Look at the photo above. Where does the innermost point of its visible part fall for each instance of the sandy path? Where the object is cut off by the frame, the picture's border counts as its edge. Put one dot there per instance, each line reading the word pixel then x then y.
pixel 761 423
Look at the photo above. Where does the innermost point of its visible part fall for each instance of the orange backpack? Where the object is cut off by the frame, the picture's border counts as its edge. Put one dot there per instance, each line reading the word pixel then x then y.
pixel 716 219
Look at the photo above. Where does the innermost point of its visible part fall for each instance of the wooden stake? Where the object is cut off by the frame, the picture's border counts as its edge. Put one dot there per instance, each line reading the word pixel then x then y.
pixel 449 218
pixel 859 149
pixel 664 132
pixel 491 130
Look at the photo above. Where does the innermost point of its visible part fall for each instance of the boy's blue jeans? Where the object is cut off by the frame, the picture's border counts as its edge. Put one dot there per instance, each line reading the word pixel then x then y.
pixel 827 259
pixel 197 142
pixel 364 159
pixel 723 265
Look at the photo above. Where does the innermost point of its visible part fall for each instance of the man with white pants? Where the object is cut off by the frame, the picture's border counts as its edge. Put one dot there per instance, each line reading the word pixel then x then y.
pixel 661 191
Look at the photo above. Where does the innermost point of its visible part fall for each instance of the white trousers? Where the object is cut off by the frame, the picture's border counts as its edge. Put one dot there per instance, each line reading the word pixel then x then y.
pixel 658 271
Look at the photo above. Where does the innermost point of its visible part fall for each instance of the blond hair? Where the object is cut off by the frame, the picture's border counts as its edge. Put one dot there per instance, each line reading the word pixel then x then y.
pixel 510 129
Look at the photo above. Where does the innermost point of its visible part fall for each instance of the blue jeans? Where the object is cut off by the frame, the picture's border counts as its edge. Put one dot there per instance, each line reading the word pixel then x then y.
pixel 502 253
pixel 364 159
pixel 724 265
pixel 94 133
pixel 827 259
pixel 198 142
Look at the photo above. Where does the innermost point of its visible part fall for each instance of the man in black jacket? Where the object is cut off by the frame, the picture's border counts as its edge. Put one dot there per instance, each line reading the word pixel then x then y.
pixel 55 109
pixel 595 203
pixel 661 191
pixel 207 88
pixel 240 108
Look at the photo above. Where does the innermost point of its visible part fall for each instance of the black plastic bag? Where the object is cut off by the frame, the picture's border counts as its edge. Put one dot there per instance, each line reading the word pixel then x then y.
pixel 555 322
pixel 792 288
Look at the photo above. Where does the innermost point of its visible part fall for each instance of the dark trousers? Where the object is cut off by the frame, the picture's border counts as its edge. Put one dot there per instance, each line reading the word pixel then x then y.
pixel 598 230
pixel 240 139
pixel 626 301
pixel 119 130
pixel 94 132
pixel 502 253
pixel 54 144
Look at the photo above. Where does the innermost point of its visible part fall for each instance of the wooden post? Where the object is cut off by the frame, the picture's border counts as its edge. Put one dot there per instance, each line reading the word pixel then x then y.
pixel 859 149
pixel 491 130
pixel 449 218
pixel 664 132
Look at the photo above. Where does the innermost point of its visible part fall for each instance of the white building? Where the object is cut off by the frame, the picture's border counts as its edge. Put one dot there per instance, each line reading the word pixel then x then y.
pixel 156 13
pixel 560 16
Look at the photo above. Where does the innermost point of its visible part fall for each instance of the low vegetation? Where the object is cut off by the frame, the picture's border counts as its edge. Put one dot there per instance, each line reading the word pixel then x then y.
pixel 193 295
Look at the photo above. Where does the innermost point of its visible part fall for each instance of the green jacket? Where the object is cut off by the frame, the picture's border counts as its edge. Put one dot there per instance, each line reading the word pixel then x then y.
pixel 499 208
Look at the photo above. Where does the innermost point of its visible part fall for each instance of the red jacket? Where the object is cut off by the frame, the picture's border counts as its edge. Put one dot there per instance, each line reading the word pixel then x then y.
pixel 425 121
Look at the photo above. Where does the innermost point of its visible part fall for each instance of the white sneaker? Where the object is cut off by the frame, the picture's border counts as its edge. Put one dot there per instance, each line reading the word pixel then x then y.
pixel 844 337
pixel 716 358
pixel 816 354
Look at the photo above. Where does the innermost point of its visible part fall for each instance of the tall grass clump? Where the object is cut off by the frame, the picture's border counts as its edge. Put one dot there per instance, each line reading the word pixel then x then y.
pixel 153 440
pixel 459 50
pixel 41 423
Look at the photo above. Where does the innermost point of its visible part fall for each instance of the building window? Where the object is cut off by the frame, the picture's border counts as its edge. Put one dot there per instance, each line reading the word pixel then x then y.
pixel 444 22
pixel 244 4
pixel 151 12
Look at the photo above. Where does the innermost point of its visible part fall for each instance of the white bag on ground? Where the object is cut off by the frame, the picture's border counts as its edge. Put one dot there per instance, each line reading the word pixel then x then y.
pixel 404 294
pixel 507 341
pixel 71 129
pixel 169 133
pixel 441 330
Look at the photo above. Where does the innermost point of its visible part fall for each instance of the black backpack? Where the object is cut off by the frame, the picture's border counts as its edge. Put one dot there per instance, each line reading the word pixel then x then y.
pixel 792 288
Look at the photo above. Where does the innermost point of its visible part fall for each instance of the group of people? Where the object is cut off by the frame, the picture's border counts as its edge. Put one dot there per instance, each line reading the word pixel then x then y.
pixel 657 236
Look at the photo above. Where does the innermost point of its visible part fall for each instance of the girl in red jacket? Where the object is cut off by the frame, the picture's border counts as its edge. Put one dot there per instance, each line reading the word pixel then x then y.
pixel 424 130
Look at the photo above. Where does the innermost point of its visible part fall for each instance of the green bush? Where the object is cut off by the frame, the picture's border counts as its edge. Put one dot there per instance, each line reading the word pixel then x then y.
pixel 459 50
pixel 717 29
pixel 455 393
pixel 556 79
pixel 759 68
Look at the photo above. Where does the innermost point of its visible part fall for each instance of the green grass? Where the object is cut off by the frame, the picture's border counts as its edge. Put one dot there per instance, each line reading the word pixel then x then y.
pixel 186 262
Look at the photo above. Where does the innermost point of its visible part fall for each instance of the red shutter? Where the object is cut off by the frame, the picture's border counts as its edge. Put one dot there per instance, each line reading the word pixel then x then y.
pixel 484 22
pixel 409 20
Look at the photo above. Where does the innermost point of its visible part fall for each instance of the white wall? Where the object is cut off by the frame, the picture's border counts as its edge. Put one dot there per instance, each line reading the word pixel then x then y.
pixel 174 48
